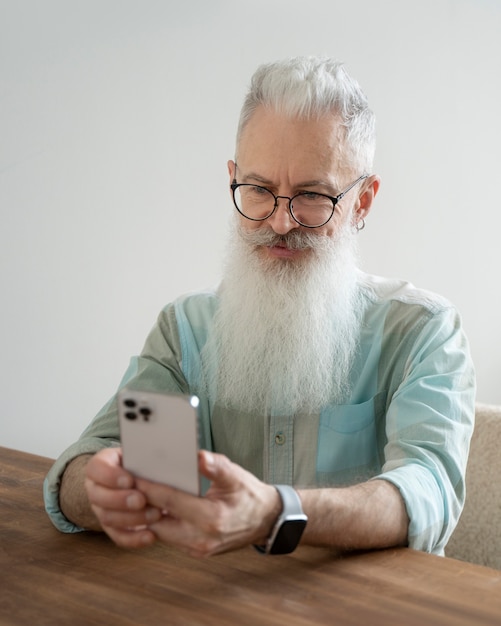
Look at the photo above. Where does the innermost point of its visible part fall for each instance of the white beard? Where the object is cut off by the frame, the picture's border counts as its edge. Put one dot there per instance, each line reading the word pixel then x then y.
pixel 286 331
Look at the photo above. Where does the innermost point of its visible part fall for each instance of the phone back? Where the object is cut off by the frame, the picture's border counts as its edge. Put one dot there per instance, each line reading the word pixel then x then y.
pixel 159 435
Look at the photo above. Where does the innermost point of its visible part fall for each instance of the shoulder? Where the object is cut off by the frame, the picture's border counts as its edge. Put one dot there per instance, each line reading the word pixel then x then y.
pixel 400 311
pixel 189 317
pixel 198 306
pixel 381 291
pixel 192 305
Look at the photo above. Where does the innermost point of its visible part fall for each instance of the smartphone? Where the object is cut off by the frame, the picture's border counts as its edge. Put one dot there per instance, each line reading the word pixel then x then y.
pixel 159 434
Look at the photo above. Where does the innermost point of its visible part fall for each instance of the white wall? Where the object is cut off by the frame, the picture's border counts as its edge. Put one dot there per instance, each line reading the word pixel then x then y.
pixel 116 121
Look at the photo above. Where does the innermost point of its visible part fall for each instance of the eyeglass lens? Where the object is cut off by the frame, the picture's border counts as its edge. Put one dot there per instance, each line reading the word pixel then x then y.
pixel 258 203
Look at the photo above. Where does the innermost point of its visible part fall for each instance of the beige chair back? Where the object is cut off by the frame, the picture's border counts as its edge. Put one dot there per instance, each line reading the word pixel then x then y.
pixel 477 537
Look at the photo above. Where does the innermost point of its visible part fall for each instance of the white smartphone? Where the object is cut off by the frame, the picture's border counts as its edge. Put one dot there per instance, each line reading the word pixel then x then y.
pixel 159 434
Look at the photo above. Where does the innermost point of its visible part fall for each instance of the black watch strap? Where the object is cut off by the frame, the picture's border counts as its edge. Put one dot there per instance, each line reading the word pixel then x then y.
pixel 289 526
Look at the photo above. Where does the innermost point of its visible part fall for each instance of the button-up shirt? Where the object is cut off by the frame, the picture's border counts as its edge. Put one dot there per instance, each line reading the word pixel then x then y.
pixel 408 419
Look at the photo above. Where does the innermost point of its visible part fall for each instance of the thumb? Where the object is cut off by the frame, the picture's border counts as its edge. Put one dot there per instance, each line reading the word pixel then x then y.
pixel 216 467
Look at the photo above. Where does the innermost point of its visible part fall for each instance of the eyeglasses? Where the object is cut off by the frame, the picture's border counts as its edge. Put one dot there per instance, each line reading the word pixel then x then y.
pixel 308 208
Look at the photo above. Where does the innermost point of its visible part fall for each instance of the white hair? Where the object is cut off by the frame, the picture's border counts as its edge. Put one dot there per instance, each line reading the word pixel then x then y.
pixel 311 87
pixel 285 334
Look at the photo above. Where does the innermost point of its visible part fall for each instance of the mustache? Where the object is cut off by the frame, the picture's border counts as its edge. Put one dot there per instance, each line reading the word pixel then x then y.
pixel 293 240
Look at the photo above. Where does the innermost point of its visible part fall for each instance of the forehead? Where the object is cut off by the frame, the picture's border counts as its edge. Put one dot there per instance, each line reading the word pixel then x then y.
pixel 275 143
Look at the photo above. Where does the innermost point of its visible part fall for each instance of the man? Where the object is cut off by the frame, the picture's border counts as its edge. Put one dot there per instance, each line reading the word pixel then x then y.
pixel 355 390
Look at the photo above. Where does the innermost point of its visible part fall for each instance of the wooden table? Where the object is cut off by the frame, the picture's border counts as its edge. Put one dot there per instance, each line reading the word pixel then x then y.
pixel 50 578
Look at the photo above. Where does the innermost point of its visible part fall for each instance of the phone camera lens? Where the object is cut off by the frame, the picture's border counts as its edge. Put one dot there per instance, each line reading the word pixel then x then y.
pixel 145 412
pixel 129 402
pixel 130 415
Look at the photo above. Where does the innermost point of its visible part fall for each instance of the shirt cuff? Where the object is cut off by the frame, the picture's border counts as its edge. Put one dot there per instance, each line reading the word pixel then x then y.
pixel 429 521
pixel 52 482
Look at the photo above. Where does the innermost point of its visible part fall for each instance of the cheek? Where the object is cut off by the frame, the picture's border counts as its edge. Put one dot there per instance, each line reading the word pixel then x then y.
pixel 331 228
pixel 249 225
pixel 339 222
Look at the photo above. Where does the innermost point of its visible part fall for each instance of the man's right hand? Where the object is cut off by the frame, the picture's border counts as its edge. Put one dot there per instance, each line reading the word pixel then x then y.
pixel 98 494
pixel 121 509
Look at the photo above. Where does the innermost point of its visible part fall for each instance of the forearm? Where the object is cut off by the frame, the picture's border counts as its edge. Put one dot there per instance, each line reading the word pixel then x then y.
pixel 366 516
pixel 73 498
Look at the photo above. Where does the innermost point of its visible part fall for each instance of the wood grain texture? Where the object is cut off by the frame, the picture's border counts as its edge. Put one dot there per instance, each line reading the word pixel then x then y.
pixel 50 578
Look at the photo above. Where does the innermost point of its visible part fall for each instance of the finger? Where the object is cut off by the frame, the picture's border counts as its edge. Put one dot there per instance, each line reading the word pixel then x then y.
pixel 159 495
pixel 120 520
pixel 113 498
pixel 105 467
pixel 131 538
pixel 186 537
pixel 220 470
pixel 120 508
pixel 177 503
pixel 213 466
pixel 225 476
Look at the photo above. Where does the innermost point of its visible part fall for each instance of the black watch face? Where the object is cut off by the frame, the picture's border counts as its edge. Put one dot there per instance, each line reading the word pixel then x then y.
pixel 288 537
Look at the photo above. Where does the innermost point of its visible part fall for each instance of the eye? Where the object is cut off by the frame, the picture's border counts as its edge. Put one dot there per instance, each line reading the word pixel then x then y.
pixel 254 193
pixel 257 190
pixel 311 195
pixel 311 198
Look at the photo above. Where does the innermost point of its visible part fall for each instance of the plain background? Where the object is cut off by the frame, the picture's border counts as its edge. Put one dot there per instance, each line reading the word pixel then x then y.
pixel 117 118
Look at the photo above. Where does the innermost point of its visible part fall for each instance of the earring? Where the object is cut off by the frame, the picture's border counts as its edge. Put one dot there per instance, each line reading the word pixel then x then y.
pixel 360 225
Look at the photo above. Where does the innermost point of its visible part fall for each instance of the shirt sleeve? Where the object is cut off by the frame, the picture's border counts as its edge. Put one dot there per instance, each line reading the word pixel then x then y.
pixel 429 423
pixel 156 369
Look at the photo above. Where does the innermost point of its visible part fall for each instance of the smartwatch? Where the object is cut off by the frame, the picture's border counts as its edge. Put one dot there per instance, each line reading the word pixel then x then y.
pixel 289 526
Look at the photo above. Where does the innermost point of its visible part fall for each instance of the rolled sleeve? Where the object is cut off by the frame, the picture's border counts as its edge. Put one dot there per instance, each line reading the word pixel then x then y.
pixel 52 482
pixel 429 424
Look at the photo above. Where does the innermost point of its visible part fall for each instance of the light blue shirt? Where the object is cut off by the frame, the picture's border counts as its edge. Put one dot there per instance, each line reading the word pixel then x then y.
pixel 408 420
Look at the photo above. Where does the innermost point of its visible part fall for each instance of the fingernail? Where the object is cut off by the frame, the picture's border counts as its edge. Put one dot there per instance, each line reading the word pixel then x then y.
pixel 153 515
pixel 133 501
pixel 146 539
pixel 209 459
pixel 123 482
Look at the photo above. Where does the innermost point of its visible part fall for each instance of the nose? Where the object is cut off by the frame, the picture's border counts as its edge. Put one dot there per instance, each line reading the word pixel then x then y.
pixel 281 221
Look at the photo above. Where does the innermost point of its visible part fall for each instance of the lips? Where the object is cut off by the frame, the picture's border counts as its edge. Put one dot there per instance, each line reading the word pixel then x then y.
pixel 283 251
pixel 288 242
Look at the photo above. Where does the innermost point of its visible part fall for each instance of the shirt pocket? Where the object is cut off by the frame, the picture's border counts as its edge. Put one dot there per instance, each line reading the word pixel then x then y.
pixel 348 449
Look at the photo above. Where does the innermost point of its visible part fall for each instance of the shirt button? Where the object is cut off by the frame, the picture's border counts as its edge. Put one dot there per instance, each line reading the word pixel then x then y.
pixel 280 439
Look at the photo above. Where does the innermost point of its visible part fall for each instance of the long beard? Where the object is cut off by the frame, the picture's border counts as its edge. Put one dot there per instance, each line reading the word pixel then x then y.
pixel 286 331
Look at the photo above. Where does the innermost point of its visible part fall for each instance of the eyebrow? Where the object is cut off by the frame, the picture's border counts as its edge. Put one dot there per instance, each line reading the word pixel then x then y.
pixel 253 176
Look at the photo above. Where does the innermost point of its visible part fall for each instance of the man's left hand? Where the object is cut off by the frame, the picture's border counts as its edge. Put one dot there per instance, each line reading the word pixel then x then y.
pixel 237 510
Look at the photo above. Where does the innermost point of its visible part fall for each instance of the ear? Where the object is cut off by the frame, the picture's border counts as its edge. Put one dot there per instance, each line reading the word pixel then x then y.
pixel 232 170
pixel 366 198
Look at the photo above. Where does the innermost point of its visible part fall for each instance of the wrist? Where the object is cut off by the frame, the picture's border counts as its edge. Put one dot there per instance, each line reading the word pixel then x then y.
pixel 269 519
pixel 288 528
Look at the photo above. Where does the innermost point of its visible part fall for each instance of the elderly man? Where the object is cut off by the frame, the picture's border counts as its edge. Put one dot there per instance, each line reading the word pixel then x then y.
pixel 326 394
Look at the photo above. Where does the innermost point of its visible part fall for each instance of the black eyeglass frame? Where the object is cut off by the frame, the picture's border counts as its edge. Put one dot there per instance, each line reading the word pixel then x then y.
pixel 334 199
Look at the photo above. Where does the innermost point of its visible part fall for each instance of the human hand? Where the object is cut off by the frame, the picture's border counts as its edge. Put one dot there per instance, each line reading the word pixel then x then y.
pixel 120 508
pixel 237 510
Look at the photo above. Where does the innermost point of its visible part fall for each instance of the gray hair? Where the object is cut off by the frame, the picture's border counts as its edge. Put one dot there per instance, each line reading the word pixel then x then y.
pixel 310 87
